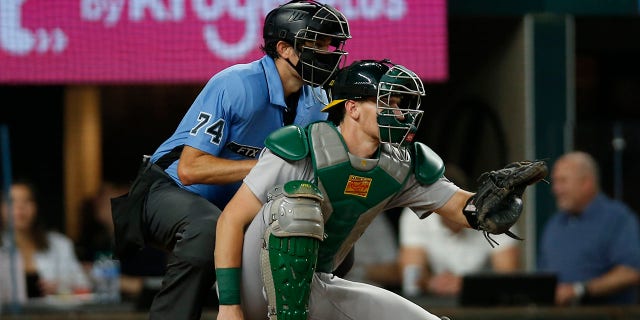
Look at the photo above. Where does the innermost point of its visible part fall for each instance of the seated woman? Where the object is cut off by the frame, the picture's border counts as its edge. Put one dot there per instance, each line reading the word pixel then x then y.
pixel 48 258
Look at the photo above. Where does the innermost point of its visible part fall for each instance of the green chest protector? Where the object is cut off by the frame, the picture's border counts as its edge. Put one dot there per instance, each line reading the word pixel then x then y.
pixel 353 191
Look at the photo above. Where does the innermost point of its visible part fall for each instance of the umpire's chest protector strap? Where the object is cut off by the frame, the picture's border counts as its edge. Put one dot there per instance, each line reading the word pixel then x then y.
pixel 428 167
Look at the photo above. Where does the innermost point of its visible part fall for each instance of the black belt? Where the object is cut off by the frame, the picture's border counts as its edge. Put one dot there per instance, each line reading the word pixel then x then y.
pixel 167 159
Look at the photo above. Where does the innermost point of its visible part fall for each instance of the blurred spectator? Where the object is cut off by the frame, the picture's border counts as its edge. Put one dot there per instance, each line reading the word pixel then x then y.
pixel 437 253
pixel 48 260
pixel 376 254
pixel 592 242
pixel 442 252
pixel 96 235
pixel 141 272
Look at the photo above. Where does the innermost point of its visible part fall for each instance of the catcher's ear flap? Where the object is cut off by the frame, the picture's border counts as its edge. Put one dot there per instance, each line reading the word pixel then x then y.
pixel 428 167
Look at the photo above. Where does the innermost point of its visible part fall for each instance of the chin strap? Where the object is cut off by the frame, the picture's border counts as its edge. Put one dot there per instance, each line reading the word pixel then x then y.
pixel 295 67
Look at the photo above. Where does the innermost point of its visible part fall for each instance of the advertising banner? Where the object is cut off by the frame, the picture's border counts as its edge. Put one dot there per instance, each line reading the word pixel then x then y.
pixel 187 41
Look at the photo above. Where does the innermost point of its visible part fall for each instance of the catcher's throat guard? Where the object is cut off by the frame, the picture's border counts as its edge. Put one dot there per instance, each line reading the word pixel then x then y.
pixel 290 250
pixel 497 205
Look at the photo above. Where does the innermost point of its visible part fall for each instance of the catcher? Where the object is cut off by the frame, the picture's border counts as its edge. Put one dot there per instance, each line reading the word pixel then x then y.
pixel 316 189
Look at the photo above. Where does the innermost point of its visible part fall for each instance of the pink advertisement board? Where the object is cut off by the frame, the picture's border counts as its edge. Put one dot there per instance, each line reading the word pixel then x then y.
pixel 186 41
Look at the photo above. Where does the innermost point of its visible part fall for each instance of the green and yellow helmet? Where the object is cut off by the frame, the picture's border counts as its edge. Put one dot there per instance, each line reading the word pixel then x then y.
pixel 357 81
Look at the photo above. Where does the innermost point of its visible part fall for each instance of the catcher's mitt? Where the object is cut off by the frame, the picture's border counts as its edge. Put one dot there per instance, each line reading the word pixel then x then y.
pixel 497 205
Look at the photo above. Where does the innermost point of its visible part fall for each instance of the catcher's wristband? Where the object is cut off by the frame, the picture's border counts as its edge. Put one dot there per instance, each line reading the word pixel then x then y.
pixel 471 213
pixel 228 285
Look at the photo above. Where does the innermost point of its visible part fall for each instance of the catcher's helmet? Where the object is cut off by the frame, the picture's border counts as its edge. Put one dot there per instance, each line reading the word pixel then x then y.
pixel 302 22
pixel 398 91
pixel 358 81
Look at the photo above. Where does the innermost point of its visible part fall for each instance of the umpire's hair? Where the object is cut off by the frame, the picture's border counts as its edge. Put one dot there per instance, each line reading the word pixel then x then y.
pixel 269 48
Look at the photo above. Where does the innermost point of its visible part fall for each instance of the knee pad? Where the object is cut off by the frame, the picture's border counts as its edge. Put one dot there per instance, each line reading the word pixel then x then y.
pixel 290 250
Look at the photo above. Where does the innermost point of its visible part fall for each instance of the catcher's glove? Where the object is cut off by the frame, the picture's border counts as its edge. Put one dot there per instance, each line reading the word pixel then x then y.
pixel 497 205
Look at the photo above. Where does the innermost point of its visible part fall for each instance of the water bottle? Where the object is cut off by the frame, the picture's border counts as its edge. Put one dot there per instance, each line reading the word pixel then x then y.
pixel 99 280
pixel 410 276
pixel 106 277
pixel 113 281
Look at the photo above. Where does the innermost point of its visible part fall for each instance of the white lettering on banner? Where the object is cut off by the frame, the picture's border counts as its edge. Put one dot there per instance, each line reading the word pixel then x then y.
pixel 208 10
pixel 157 9
pixel 107 10
pixel 370 9
pixel 17 40
pixel 246 13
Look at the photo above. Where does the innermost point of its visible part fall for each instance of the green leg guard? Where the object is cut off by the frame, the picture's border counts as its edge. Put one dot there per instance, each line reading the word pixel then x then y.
pixel 288 264
pixel 290 250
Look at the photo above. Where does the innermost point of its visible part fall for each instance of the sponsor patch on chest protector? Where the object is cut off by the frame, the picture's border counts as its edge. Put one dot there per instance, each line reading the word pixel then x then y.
pixel 358 186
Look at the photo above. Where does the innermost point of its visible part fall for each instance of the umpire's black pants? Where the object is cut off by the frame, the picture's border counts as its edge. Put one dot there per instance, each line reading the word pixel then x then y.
pixel 184 224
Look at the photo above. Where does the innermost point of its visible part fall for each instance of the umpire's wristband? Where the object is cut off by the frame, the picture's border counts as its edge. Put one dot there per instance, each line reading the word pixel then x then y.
pixel 228 285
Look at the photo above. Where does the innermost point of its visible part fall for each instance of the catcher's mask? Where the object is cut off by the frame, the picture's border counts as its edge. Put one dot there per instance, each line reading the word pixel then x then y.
pixel 301 24
pixel 399 96
pixel 397 90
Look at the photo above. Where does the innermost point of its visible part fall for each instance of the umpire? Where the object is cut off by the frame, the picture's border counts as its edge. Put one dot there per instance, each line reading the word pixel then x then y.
pixel 175 201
